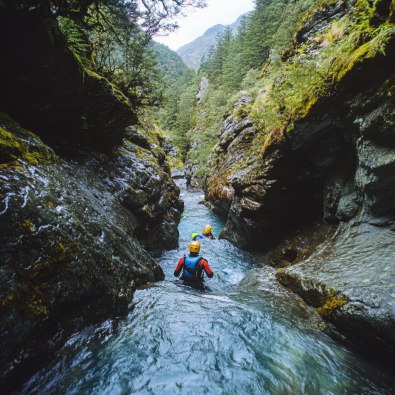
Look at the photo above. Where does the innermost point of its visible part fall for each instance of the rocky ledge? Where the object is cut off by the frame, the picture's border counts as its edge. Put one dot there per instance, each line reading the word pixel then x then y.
pixel 315 194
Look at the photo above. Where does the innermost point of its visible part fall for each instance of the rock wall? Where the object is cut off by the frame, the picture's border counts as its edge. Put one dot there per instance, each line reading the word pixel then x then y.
pixel 315 196
pixel 78 209
pixel 190 169
pixel 74 236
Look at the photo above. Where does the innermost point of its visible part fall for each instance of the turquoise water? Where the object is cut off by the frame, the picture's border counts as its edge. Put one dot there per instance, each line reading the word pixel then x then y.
pixel 229 340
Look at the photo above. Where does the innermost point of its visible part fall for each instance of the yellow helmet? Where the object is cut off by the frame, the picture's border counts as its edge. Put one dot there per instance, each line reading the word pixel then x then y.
pixel 194 246
pixel 207 230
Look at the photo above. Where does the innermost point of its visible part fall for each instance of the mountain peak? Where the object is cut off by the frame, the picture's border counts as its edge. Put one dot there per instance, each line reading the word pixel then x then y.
pixel 192 52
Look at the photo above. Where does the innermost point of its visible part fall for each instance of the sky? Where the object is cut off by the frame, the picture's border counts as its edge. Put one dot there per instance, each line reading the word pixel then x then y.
pixel 196 22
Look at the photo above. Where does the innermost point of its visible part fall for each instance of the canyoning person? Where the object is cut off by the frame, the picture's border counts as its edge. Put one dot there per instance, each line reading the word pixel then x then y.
pixel 206 234
pixel 192 266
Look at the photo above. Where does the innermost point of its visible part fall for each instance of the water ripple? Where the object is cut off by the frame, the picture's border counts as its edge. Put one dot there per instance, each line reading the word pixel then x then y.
pixel 232 340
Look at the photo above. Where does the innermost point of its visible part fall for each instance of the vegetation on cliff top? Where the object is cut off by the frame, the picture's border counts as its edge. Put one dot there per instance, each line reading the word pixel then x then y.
pixel 285 74
pixel 233 67
pixel 317 68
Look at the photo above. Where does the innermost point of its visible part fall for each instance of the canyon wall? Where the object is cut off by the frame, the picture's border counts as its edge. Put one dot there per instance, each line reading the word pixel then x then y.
pixel 85 192
pixel 304 171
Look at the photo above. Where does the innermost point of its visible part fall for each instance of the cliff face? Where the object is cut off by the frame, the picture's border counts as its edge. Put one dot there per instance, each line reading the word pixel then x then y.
pixel 306 173
pixel 50 93
pixel 76 215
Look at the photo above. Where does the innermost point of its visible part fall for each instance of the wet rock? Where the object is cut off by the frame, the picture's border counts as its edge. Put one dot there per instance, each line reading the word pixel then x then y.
pixel 74 233
pixel 173 158
pixel 137 137
pixel 176 174
pixel 69 259
pixel 328 175
pixel 132 198
pixel 263 280
pixel 190 172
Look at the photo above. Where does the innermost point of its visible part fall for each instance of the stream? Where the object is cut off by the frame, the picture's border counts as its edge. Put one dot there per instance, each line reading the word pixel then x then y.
pixel 252 337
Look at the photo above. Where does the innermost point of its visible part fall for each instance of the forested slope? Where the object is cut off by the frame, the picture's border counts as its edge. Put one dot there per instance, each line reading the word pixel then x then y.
pixel 193 52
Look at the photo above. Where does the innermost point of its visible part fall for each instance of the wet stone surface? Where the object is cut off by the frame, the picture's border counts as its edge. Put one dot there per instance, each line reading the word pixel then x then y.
pixel 332 164
pixel 73 246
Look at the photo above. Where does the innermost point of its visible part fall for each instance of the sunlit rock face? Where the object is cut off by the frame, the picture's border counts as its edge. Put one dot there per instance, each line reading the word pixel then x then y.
pixel 329 176
pixel 204 84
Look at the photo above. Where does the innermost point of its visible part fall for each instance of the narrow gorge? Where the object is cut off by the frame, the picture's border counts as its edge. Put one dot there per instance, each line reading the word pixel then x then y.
pixel 287 149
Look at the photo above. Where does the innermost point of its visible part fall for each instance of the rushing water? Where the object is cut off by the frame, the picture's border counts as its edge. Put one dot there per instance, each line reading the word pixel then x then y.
pixel 227 340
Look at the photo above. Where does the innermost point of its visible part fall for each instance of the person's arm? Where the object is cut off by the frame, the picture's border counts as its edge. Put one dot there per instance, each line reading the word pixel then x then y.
pixel 212 237
pixel 206 267
pixel 179 267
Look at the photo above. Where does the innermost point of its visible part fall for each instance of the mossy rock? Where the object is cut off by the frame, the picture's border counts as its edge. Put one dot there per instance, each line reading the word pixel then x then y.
pixel 18 143
pixel 331 303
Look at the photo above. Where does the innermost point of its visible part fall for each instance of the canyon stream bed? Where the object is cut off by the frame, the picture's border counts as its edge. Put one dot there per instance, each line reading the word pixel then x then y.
pixel 241 336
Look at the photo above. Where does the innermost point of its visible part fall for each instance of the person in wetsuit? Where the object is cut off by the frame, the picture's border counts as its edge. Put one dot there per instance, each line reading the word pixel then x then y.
pixel 206 234
pixel 192 266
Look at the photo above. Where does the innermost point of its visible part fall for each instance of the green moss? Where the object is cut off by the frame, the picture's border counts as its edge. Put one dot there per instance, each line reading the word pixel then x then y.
pixel 32 299
pixel 26 227
pixel 356 59
pixel 31 296
pixel 18 143
pixel 57 256
pixel 6 302
pixel 94 75
pixel 391 17
pixel 331 303
pixel 175 162
pixel 142 153
pixel 291 90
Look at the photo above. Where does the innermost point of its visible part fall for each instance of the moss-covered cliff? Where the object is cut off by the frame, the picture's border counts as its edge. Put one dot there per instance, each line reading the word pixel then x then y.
pixel 50 92
pixel 314 151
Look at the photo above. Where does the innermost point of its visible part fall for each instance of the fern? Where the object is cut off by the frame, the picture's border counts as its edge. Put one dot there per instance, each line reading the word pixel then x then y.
pixel 75 41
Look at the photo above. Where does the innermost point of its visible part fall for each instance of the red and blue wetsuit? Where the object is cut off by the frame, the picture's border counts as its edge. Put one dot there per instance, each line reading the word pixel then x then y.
pixel 193 267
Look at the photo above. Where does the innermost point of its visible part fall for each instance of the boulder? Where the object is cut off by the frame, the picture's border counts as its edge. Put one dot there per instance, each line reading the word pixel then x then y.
pixel 73 231
pixel 178 173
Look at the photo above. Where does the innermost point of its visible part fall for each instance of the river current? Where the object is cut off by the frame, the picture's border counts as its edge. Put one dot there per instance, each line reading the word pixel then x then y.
pixel 230 339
